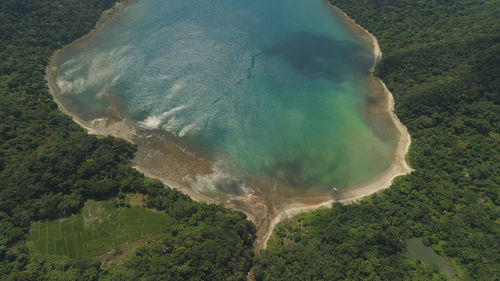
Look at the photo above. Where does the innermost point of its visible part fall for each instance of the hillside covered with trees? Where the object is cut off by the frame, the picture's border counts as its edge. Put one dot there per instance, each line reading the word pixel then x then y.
pixel 442 63
pixel 49 167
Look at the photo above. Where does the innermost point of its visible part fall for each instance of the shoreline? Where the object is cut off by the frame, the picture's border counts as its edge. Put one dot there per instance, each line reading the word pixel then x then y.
pixel 114 125
pixel 266 210
pixel 398 166
pixel 361 32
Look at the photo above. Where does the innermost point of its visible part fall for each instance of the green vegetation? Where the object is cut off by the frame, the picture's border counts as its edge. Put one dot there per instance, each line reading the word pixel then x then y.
pixel 344 243
pixel 203 248
pixel 97 229
pixel 441 61
pixel 49 167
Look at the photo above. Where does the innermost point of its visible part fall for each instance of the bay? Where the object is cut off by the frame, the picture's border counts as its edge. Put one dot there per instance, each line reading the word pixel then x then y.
pixel 273 88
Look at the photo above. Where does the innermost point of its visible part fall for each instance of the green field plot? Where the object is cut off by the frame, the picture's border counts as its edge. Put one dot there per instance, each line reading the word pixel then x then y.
pixel 99 228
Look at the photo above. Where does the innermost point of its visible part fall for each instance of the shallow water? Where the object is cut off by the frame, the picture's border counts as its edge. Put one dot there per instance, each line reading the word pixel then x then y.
pixel 271 88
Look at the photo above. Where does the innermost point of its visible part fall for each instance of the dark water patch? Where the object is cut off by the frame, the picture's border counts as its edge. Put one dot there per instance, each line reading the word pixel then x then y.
pixel 316 56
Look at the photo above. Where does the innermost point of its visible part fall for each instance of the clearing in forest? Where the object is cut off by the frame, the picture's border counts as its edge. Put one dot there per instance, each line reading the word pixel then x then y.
pixel 99 228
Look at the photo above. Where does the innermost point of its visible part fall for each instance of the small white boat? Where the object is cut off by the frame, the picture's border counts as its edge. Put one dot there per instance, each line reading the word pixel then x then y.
pixel 334 189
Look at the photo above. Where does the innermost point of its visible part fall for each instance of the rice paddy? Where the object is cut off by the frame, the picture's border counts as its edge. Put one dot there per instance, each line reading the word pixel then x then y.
pixel 99 228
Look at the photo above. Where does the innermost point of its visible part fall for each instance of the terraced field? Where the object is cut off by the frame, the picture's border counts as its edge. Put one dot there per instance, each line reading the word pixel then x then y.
pixel 99 228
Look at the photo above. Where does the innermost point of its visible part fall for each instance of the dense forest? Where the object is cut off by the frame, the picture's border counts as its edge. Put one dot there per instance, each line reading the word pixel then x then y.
pixel 49 167
pixel 442 63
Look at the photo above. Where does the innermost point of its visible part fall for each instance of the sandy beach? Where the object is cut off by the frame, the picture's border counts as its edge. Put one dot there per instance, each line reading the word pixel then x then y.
pixel 161 157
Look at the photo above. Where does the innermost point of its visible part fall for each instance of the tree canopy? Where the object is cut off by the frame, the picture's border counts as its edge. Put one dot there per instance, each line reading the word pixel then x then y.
pixel 49 167
pixel 441 62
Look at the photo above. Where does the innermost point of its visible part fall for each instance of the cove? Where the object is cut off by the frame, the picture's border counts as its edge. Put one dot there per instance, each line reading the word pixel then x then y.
pixel 272 92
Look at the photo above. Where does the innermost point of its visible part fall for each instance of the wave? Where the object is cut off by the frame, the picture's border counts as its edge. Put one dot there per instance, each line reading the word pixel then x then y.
pixel 187 129
pixel 154 121
pixel 221 181
pixel 74 87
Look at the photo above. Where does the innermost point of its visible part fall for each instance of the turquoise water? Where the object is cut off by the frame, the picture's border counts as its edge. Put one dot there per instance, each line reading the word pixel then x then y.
pixel 272 86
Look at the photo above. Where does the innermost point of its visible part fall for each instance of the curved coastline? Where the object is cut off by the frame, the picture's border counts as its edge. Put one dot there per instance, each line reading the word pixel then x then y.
pixel 262 211
pixel 116 125
pixel 398 166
